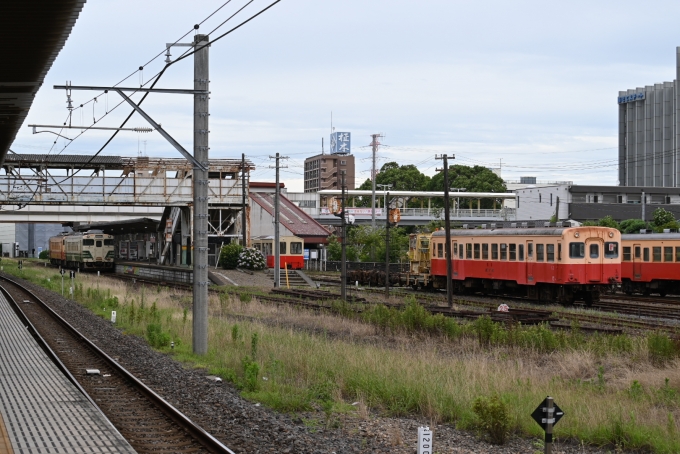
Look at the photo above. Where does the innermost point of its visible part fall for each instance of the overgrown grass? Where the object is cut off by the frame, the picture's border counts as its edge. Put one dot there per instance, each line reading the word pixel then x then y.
pixel 618 391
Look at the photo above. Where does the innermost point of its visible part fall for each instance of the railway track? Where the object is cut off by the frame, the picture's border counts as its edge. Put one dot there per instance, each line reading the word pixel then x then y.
pixel 147 421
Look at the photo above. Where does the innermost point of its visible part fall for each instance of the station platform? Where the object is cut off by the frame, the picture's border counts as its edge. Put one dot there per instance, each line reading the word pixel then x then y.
pixel 41 411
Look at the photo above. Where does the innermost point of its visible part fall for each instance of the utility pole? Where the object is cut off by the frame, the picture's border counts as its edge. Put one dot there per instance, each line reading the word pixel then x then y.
pixel 343 258
pixel 200 183
pixel 277 243
pixel 643 200
pixel 387 246
pixel 243 200
pixel 374 146
pixel 557 209
pixel 447 227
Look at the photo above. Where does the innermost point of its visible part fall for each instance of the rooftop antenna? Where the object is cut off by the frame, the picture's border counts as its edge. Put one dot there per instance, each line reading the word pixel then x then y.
pixel 322 152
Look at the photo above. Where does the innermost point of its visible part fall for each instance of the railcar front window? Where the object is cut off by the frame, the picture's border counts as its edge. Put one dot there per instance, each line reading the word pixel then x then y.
pixel 494 252
pixel 476 251
pixel 504 251
pixel 559 252
pixel 656 253
pixel 99 243
pixel 646 254
pixel 530 251
pixel 577 250
pixel 296 248
pixel 626 254
pixel 637 252
pixel 485 252
pixel 455 249
pixel 440 250
pixel 594 251
pixel 539 252
pixel 282 247
pixel 513 252
pixel 550 252
pixel 677 254
pixel 88 242
pixel 668 254
pixel 611 250
pixel 108 242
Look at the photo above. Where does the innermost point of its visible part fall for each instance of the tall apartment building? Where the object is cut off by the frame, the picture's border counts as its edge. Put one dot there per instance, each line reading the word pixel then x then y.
pixel 323 172
pixel 649 134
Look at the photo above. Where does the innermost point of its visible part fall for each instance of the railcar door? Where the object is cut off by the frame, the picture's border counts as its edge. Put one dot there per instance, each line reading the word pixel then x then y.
pixel 530 262
pixel 637 262
pixel 594 257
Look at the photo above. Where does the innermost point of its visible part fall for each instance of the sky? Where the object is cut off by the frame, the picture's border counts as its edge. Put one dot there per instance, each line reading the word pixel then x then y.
pixel 528 86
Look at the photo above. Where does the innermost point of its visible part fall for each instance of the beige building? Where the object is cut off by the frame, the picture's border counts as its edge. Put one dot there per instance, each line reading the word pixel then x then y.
pixel 323 171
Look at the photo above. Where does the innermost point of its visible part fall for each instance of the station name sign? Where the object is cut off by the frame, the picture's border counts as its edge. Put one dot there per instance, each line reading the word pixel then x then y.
pixel 633 97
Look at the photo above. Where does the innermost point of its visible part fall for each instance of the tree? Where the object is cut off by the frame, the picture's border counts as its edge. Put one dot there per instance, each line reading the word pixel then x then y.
pixel 402 178
pixel 229 255
pixel 608 221
pixel 632 225
pixel 473 179
pixel 662 219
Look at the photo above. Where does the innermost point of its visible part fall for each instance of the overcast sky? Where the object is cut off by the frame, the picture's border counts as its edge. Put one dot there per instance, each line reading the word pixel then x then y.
pixel 531 83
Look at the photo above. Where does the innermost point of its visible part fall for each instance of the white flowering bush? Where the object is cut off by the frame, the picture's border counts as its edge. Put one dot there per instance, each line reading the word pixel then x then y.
pixel 251 259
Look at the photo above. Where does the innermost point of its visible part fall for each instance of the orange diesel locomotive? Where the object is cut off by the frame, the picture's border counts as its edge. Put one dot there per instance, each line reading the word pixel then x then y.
pixel 651 263
pixel 552 264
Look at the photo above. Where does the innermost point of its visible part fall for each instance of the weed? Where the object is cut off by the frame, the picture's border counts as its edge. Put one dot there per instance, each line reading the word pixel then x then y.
pixel 251 374
pixel 235 333
pixel 493 418
pixel 635 390
pixel 156 336
pixel 253 345
pixel 184 316
pixel 661 348
pixel 601 382
pixel 245 297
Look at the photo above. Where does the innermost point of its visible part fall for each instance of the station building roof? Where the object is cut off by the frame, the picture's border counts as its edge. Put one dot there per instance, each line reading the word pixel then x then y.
pixel 140 225
pixel 295 219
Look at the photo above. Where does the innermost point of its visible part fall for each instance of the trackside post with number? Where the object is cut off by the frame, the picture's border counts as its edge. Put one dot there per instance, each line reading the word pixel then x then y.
pixel 425 440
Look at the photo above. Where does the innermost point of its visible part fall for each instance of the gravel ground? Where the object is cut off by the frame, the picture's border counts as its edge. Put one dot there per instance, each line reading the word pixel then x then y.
pixel 247 427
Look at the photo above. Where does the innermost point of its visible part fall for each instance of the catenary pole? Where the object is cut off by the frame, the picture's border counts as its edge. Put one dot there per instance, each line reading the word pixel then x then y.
pixel 343 258
pixel 200 183
pixel 387 246
pixel 277 243
pixel 447 227
pixel 243 200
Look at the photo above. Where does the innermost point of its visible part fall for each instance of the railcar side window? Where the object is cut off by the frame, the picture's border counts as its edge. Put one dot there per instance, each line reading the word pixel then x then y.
pixel 485 252
pixel 656 253
pixel 468 251
pixel 513 252
pixel 108 242
pixel 539 252
pixel 99 243
pixel 476 250
pixel 282 247
pixel 668 254
pixel 88 242
pixel 611 250
pixel 577 250
pixel 494 252
pixel 550 252
pixel 646 254
pixel 296 248
pixel 440 250
pixel 521 252
pixel 626 254
pixel 594 251
pixel 504 251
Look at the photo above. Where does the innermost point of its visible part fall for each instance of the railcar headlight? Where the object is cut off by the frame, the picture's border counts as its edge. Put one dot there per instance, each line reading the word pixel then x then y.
pixel 576 234
pixel 611 234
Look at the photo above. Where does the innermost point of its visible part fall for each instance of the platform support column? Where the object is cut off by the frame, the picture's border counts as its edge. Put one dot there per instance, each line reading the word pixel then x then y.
pixel 200 183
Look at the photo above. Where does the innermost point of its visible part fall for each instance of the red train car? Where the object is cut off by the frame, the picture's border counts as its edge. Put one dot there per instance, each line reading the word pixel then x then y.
pixel 552 264
pixel 651 263
pixel 291 253
pixel 57 250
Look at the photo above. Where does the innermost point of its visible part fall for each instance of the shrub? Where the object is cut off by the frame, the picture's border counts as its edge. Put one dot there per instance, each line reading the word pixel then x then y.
pixel 661 348
pixel 229 255
pixel 44 255
pixel 251 259
pixel 156 337
pixel 493 418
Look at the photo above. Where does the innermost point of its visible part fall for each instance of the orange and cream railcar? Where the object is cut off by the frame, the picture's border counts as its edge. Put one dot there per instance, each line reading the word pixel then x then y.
pixel 551 264
pixel 57 250
pixel 291 251
pixel 651 263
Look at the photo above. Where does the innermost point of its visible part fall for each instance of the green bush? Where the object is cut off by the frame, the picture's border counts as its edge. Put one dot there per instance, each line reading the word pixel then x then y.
pixel 229 255
pixel 493 418
pixel 661 348
pixel 44 255
pixel 156 337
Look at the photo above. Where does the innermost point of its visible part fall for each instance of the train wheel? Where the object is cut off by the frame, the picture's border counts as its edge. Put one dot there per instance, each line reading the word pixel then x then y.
pixel 663 293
